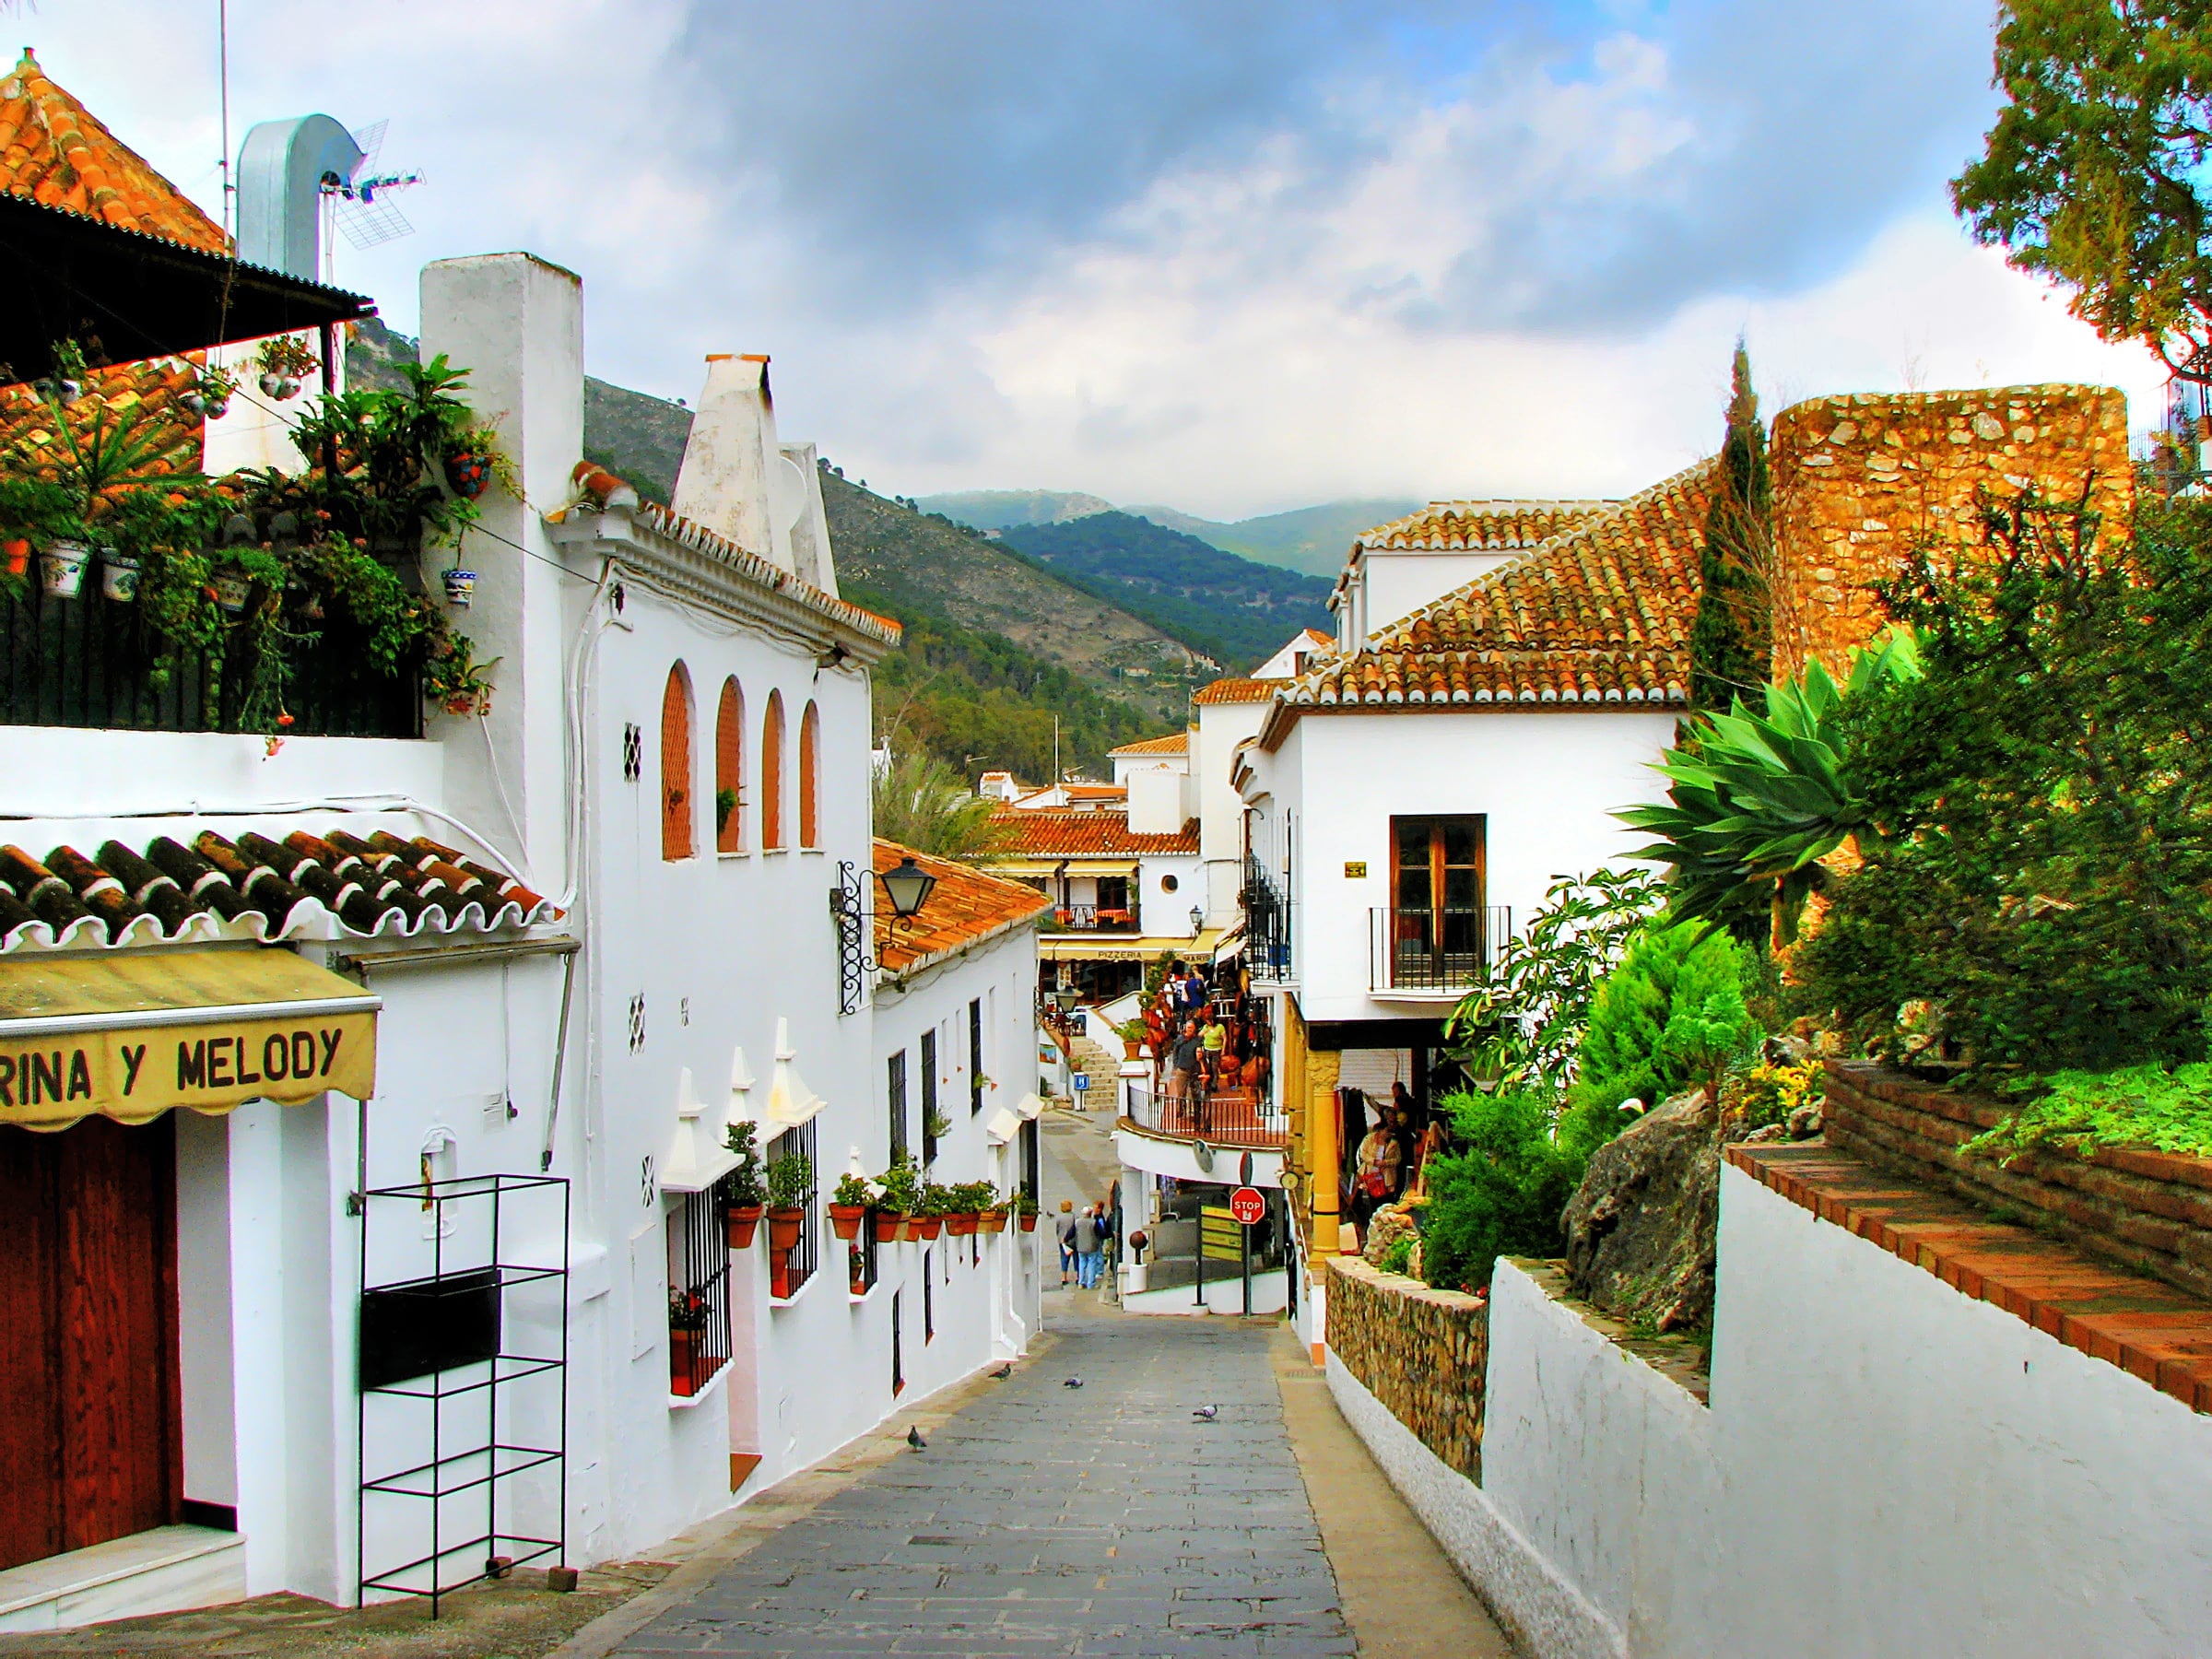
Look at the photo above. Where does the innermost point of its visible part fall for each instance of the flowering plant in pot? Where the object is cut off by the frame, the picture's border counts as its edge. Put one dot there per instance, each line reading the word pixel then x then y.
pixel 929 1220
pixel 849 1204
pixel 790 1184
pixel 1025 1211
pixel 996 1210
pixel 473 459
pixel 743 1196
pixel 901 1190
pixel 687 1313
pixel 285 363
pixel 966 1203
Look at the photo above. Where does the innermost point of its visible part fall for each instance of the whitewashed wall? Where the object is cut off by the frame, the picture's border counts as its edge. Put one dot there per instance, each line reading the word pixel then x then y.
pixel 1548 784
pixel 1887 1467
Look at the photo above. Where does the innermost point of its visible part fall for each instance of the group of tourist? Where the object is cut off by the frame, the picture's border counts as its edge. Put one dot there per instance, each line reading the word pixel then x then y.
pixel 1391 1160
pixel 1201 1045
pixel 1085 1240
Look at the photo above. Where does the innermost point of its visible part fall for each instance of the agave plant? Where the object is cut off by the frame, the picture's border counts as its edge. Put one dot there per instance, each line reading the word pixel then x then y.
pixel 1754 802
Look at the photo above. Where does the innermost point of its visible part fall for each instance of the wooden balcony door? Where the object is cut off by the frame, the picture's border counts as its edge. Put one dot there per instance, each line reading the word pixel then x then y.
pixel 1436 881
pixel 88 1380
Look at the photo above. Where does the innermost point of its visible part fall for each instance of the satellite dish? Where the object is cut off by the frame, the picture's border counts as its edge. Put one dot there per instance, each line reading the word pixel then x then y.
pixel 362 205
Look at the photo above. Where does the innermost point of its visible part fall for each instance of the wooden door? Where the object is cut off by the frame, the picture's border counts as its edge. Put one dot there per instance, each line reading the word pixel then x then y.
pixel 1437 879
pixel 88 1376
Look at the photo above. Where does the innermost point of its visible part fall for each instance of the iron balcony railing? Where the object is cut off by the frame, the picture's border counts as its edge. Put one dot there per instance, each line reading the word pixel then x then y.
pixel 1424 949
pixel 1266 924
pixel 92 661
pixel 1226 1118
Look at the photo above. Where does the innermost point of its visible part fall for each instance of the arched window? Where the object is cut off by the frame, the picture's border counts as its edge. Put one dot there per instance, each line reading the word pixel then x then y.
pixel 810 772
pixel 676 766
pixel 729 769
pixel 772 775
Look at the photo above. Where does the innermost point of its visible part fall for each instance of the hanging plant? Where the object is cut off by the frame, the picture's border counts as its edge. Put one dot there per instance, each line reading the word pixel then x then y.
pixel 285 363
pixel 454 680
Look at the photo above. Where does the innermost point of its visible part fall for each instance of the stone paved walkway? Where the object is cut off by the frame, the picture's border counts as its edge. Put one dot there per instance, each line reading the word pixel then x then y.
pixel 1042 1519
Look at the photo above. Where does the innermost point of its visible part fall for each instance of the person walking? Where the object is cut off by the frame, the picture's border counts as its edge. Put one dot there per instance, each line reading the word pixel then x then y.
pixel 1085 1240
pixel 1066 1229
pixel 1184 1084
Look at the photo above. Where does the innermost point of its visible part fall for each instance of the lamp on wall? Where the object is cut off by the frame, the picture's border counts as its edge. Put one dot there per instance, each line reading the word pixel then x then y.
pixel 1197 920
pixel 907 887
pixel 1066 996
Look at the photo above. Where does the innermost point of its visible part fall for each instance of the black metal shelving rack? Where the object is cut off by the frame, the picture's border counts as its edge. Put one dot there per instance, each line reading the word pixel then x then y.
pixel 441 1338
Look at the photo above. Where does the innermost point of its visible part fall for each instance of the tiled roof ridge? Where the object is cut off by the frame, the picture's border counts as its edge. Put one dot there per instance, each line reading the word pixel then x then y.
pixel 1107 827
pixel 85 160
pixel 1172 744
pixel 253 888
pixel 1234 688
pixel 600 484
pixel 1476 507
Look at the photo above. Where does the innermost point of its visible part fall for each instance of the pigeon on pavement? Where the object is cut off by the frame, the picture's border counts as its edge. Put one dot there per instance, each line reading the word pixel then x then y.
pixel 1073 1383
pixel 917 1439
pixel 1002 1372
pixel 1206 1414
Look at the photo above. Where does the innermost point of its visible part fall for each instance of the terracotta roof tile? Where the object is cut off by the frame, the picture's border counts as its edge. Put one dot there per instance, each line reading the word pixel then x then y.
pixel 254 888
pixel 53 151
pixel 1600 615
pixel 965 908
pixel 1057 833
pixel 149 388
pixel 1174 743
pixel 1239 691
pixel 1459 527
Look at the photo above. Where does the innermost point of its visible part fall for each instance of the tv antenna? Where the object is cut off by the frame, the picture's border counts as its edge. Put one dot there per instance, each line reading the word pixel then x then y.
pixel 362 205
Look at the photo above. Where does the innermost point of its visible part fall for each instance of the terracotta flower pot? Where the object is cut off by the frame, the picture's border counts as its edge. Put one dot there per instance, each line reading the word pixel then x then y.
pixel 926 1227
pixel 742 1219
pixel 779 1275
pixel 846 1219
pixel 1129 1049
pixel 993 1221
pixel 960 1225
pixel 889 1229
pixel 682 1347
pixel 1029 1222
pixel 15 557
pixel 783 1228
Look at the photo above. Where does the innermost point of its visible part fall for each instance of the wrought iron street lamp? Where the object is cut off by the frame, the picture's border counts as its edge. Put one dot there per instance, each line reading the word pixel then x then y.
pixel 907 887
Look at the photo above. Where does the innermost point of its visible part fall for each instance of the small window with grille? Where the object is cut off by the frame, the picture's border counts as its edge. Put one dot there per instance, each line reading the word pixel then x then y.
pixel 976 1078
pixel 790 1269
pixel 929 1095
pixel 894 1087
pixel 698 1305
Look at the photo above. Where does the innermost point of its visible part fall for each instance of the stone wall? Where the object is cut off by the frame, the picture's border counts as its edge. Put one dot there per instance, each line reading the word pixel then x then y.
pixel 2150 1212
pixel 1422 1353
pixel 1860 478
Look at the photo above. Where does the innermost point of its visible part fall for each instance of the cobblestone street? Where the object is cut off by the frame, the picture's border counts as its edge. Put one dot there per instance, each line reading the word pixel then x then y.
pixel 1045 1519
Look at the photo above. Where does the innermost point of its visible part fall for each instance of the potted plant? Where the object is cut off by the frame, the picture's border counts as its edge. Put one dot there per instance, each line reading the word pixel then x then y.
pixel 962 1212
pixel 473 460
pixel 460 586
pixel 849 1205
pixel 1132 1033
pixel 62 566
pixel 937 1125
pixel 1025 1211
pixel 687 1328
pixel 790 1184
pixel 994 1213
pixel 742 1194
pixel 902 1198
pixel 285 363
pixel 929 1220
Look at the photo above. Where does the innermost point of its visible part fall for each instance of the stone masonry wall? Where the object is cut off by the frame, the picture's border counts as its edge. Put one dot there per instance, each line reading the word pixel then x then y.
pixel 2148 1212
pixel 1859 478
pixel 1422 1353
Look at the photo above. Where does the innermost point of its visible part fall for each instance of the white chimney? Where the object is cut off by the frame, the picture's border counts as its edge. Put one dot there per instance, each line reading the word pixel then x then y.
pixel 728 481
pixel 809 525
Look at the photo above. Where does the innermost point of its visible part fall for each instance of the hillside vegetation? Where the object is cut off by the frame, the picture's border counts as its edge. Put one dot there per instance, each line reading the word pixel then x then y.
pixel 1234 610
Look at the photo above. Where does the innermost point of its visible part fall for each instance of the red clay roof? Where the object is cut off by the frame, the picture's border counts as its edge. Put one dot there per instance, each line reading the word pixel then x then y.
pixel 1601 615
pixel 253 888
pixel 1174 743
pixel 148 389
pixel 1057 833
pixel 1239 691
pixel 53 151
pixel 1505 525
pixel 965 908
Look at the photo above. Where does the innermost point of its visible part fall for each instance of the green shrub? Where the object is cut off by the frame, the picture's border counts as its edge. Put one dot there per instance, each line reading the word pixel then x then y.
pixel 1499 1191
pixel 1671 1017
pixel 2142 1105
pixel 2042 870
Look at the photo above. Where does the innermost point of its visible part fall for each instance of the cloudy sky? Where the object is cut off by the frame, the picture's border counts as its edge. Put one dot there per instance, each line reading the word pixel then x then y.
pixel 1235 256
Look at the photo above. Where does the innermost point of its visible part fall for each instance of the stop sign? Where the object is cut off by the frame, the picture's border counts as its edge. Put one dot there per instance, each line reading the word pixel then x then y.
pixel 1247 1205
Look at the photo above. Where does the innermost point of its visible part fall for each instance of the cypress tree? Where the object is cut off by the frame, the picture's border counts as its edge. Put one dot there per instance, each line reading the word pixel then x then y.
pixel 1731 643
